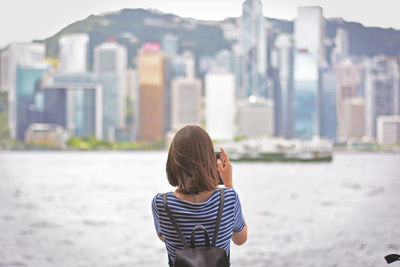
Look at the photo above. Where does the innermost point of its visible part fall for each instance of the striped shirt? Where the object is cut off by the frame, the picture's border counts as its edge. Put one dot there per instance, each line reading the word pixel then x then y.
pixel 188 215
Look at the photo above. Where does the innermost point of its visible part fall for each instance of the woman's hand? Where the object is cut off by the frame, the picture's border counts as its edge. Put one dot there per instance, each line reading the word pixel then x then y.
pixel 225 169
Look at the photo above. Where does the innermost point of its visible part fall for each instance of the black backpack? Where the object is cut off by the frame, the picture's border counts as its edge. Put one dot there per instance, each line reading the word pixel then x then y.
pixel 191 256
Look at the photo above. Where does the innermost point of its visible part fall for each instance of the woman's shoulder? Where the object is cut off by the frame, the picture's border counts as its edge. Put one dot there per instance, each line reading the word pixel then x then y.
pixel 157 199
pixel 230 191
pixel 231 196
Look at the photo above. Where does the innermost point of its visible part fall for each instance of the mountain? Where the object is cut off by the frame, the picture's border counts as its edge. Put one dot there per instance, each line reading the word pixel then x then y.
pixel 133 27
pixel 367 41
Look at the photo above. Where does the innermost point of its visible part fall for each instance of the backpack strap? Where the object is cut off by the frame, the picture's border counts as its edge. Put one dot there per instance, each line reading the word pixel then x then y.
pixel 206 238
pixel 177 229
pixel 217 224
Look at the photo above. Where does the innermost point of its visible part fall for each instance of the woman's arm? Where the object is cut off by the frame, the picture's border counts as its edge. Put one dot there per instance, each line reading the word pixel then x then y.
pixel 240 238
pixel 225 170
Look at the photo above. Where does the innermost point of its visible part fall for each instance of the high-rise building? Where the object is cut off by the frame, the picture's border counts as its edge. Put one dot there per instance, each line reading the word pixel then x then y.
pixel 220 105
pixel 170 45
pixel 186 102
pixel 382 92
pixel 14 55
pixel 132 84
pixel 388 130
pixel 183 65
pixel 108 100
pixel 328 104
pixel 309 30
pixel 341 49
pixel 255 117
pixel 152 111
pixel 282 60
pixel 253 50
pixel 225 60
pixel 348 85
pixel 73 53
pixel 110 58
pixel 353 119
pixel 26 84
pixel 132 102
pixel 75 107
pixel 4 70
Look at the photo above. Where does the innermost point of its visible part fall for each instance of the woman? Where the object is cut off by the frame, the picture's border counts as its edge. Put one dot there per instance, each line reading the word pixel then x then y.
pixel 192 167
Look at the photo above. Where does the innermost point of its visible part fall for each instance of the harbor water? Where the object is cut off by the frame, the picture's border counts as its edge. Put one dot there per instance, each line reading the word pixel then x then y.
pixel 84 209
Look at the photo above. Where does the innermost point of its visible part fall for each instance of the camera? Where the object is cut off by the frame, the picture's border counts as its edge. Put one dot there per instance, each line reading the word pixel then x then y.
pixel 219 155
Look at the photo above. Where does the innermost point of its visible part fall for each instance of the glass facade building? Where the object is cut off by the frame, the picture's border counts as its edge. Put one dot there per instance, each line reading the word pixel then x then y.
pixel 26 83
pixel 309 58
pixel 328 105
pixel 109 103
pixel 72 108
pixel 54 109
pixel 253 50
pixel 282 61
pixel 306 84
pixel 382 91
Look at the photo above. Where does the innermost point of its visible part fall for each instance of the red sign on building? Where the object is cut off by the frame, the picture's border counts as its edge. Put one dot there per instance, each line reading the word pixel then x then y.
pixel 151 47
pixel 302 50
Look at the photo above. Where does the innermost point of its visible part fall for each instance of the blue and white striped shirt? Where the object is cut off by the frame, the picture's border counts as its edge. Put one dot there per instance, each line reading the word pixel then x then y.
pixel 188 215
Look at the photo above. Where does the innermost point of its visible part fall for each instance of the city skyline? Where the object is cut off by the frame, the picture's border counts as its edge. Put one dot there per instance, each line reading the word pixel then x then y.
pixel 206 10
pixel 295 83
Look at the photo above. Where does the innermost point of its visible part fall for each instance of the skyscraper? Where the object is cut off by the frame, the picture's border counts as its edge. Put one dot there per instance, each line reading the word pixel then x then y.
pixel 76 107
pixel 309 33
pixel 110 58
pixel 183 65
pixel 186 102
pixel 382 92
pixel 348 75
pixel 133 102
pixel 104 90
pixel 220 105
pixel 170 45
pixel 328 104
pixel 151 65
pixel 253 50
pixel 73 52
pixel 283 63
pixel 17 54
pixel 3 70
pixel 353 119
pixel 27 83
pixel 341 50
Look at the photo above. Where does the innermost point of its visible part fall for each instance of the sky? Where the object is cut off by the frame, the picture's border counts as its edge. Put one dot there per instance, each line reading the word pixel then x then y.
pixel 25 20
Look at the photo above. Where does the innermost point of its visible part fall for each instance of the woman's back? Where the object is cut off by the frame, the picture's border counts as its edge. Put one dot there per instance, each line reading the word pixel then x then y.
pixel 188 215
pixel 193 167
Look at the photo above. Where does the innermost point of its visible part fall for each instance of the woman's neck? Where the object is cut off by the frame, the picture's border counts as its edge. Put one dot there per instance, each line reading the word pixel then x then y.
pixel 195 198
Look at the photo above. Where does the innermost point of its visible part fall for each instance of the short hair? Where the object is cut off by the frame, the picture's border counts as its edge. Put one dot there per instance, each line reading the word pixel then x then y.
pixel 191 163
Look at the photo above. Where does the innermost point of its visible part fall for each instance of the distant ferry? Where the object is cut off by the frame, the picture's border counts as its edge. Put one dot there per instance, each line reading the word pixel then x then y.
pixel 279 149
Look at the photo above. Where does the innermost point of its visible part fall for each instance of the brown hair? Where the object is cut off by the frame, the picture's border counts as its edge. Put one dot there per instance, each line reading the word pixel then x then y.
pixel 191 163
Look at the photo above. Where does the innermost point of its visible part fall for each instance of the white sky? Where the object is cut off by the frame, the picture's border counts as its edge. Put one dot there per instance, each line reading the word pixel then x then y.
pixel 39 19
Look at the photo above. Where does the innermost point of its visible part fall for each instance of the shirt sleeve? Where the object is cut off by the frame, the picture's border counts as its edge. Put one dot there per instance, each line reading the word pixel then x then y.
pixel 156 216
pixel 238 217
